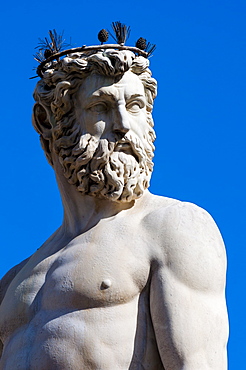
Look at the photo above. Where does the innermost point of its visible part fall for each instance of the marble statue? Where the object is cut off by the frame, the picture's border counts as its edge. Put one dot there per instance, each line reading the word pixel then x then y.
pixel 130 280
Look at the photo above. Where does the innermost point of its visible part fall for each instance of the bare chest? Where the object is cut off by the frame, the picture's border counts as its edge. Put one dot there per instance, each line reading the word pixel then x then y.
pixel 95 273
pixel 94 270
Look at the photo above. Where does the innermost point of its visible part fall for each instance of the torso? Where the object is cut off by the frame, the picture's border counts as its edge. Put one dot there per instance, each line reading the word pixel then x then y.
pixel 86 306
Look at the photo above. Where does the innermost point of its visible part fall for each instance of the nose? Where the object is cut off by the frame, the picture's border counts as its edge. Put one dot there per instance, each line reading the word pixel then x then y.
pixel 121 120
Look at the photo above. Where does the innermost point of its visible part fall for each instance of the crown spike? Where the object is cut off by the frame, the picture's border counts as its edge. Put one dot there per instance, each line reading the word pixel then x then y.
pixel 55 44
pixel 122 32
pixel 150 48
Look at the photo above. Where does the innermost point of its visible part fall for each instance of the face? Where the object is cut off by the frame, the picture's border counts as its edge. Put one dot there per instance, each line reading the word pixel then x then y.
pixel 111 155
pixel 108 110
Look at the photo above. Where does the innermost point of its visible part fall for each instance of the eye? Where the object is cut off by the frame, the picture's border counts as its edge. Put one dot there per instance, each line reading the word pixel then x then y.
pixel 99 108
pixel 135 106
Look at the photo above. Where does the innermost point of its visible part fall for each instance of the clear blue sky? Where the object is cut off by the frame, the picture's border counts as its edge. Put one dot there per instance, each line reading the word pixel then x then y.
pixel 200 65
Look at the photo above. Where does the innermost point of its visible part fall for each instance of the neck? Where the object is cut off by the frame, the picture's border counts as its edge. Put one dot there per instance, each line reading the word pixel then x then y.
pixel 82 212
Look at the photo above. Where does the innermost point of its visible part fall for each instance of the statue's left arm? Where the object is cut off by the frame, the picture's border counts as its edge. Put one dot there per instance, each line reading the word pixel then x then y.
pixel 187 296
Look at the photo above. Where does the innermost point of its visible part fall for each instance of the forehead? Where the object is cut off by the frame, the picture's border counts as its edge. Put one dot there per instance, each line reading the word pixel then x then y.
pixel 98 85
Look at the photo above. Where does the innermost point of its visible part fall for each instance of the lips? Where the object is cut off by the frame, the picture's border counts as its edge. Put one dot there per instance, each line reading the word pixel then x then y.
pixel 125 147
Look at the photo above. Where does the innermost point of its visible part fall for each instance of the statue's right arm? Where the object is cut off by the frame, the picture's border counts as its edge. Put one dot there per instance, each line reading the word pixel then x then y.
pixel 5 282
pixel 9 276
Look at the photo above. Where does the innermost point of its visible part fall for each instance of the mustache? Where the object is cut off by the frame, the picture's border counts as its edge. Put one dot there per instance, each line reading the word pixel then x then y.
pixel 129 144
pixel 125 145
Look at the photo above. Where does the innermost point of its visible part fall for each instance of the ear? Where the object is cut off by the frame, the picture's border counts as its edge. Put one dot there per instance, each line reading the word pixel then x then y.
pixel 42 125
pixel 40 120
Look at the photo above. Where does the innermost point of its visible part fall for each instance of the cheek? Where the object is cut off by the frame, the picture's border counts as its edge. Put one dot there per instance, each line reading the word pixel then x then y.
pixel 139 125
pixel 93 124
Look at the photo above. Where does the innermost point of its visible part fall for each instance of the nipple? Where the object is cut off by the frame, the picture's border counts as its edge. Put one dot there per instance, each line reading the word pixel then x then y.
pixel 106 283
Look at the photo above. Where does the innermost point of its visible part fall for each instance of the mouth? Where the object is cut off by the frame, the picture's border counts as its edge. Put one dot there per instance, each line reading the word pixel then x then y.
pixel 125 147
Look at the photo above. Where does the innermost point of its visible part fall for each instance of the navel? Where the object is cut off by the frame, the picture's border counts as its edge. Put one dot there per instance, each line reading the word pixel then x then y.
pixel 106 283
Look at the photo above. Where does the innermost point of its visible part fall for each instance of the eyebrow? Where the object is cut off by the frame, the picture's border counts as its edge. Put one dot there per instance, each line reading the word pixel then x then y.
pixel 135 96
pixel 101 92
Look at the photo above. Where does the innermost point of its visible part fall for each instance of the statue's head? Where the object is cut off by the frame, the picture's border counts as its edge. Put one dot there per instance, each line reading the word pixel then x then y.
pixel 93 112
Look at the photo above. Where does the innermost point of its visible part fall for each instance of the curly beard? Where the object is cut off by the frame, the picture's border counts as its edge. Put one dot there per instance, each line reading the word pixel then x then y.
pixel 117 171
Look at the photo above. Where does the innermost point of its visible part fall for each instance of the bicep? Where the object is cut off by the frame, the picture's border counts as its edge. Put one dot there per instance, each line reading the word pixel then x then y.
pixel 187 298
pixel 190 325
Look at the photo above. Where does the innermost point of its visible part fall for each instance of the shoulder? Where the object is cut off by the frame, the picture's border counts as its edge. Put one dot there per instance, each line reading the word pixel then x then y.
pixel 9 276
pixel 172 214
pixel 182 219
pixel 189 244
